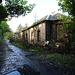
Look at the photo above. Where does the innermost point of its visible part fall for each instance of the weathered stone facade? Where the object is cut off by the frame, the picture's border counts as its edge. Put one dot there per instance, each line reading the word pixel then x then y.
pixel 35 34
pixel 46 29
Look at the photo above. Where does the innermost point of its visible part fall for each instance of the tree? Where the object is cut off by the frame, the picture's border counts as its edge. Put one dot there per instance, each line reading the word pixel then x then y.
pixel 0 1
pixel 9 35
pixel 69 21
pixel 18 7
pixel 68 6
pixel 19 28
pixel 12 8
pixel 15 8
pixel 3 13
pixel 3 29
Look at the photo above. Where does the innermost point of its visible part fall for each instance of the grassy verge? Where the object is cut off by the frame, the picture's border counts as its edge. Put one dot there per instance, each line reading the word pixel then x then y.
pixel 66 61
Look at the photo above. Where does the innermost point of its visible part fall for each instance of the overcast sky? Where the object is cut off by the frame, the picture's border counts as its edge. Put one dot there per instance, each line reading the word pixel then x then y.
pixel 42 8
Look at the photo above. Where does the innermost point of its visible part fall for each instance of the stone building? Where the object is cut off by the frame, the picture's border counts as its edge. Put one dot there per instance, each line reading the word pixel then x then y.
pixel 47 29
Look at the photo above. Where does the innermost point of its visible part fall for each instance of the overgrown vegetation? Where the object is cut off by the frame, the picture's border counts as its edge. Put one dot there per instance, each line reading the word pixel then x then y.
pixel 64 60
pixel 3 29
pixel 9 35
pixel 69 7
pixel 12 8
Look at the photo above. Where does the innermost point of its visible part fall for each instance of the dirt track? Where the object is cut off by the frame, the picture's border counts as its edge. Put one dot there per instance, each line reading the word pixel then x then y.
pixel 13 58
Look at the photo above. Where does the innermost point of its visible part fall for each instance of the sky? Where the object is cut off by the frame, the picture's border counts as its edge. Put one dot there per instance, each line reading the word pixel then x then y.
pixel 42 8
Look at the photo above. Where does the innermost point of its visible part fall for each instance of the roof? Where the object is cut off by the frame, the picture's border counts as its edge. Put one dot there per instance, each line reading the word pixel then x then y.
pixel 56 16
pixel 16 32
pixel 46 18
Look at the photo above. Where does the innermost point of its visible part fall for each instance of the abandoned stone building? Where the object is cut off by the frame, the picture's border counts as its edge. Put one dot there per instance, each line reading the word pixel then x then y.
pixel 46 29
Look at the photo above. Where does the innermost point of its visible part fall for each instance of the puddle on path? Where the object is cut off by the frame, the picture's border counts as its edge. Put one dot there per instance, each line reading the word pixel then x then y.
pixel 14 73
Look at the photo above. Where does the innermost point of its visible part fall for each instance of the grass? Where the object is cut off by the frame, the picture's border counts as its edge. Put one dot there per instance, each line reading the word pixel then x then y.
pixel 66 61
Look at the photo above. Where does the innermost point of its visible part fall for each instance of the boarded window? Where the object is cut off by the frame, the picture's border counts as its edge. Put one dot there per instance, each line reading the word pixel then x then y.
pixel 23 36
pixel 54 34
pixel 38 36
pixel 26 36
pixel 60 33
pixel 32 36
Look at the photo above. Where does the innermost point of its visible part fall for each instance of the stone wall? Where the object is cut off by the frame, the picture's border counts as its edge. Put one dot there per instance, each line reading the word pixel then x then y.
pixel 46 30
pixel 32 33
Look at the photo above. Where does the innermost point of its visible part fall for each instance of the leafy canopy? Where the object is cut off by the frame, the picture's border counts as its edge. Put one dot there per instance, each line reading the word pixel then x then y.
pixel 15 8
pixel 12 8
pixel 3 13
pixel 68 6
pixel 18 7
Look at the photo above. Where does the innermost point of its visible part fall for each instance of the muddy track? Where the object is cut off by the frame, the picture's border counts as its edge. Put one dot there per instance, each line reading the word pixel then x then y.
pixel 16 59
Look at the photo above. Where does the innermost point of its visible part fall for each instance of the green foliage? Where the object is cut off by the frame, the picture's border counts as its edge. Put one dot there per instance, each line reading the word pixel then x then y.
pixel 66 21
pixel 69 26
pixel 15 8
pixel 3 13
pixel 69 21
pixel 18 45
pixel 68 6
pixel 18 7
pixel 3 29
pixel 65 61
pixel 8 35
